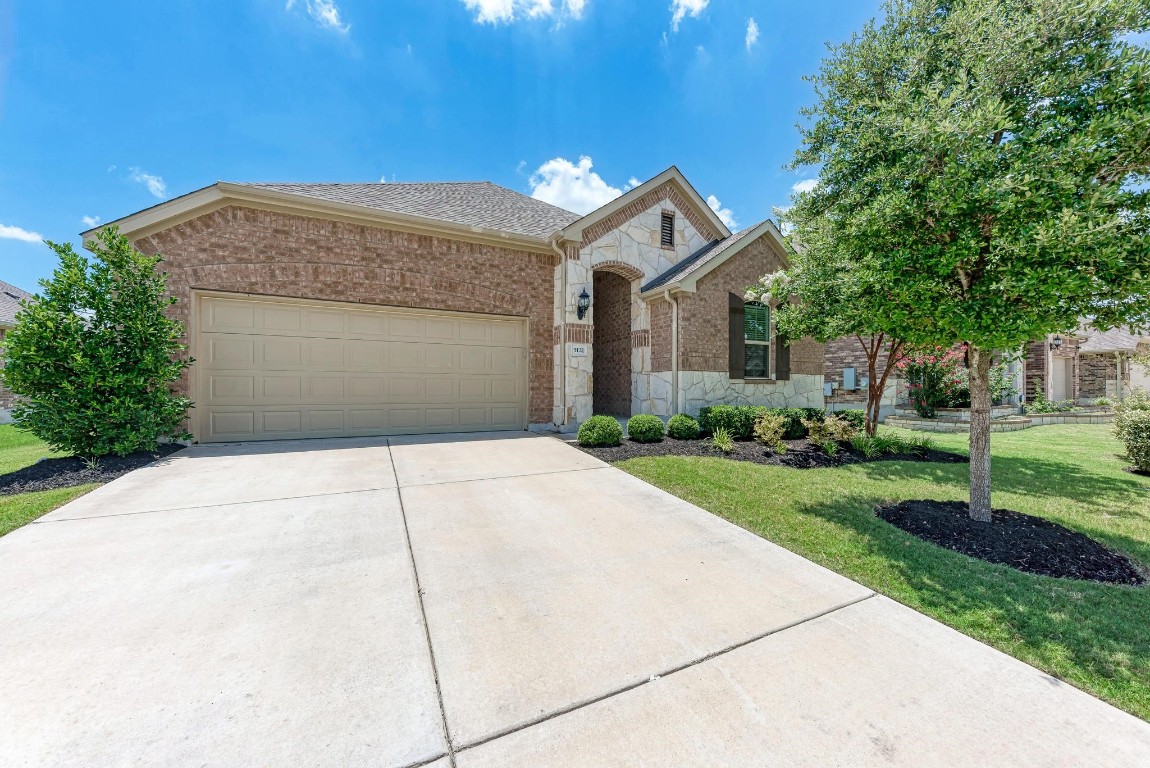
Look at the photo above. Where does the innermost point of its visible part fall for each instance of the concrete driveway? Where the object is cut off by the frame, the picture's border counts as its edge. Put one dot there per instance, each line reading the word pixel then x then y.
pixel 487 600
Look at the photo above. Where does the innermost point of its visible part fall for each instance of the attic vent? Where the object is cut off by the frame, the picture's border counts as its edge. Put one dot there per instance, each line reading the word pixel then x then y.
pixel 667 231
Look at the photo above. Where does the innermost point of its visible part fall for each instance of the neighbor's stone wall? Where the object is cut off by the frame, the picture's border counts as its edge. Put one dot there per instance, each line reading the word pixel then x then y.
pixel 1098 376
pixel 247 250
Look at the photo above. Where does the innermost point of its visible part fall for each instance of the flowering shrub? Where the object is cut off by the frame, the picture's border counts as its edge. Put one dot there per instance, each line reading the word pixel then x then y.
pixel 932 378
pixel 772 286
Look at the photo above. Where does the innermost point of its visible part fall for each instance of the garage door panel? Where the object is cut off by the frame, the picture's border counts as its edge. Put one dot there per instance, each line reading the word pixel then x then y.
pixel 274 370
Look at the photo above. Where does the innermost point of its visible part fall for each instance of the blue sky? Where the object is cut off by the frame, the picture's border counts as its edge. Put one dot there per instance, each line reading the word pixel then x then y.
pixel 107 108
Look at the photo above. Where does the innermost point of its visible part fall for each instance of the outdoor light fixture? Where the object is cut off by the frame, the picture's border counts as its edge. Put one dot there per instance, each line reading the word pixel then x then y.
pixel 1056 342
pixel 583 304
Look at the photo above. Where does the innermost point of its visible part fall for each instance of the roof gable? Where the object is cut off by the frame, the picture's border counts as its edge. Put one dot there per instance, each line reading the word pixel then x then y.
pixel 10 297
pixel 670 184
pixel 686 274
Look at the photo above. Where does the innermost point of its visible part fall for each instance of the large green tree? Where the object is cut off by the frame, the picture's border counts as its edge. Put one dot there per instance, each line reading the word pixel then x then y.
pixel 93 358
pixel 989 160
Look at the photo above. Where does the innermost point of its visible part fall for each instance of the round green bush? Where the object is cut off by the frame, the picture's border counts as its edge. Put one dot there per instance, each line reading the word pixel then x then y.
pixel 645 428
pixel 1136 436
pixel 682 427
pixel 600 430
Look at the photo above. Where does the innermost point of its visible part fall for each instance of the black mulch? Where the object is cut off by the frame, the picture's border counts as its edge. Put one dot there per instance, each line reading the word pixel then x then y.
pixel 1024 542
pixel 49 474
pixel 801 454
pixel 1136 471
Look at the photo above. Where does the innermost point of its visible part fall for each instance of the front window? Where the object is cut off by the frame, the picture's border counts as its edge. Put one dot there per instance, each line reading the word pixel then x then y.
pixel 757 336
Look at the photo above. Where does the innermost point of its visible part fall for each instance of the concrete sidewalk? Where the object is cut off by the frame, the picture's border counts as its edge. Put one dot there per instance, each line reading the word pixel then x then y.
pixel 480 600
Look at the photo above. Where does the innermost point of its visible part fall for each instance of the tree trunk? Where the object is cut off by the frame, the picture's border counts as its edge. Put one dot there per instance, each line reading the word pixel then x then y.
pixel 978 361
pixel 874 394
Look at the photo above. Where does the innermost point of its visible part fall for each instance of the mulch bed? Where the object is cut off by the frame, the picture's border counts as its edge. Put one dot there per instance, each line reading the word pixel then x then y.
pixel 1136 471
pixel 49 474
pixel 1023 542
pixel 801 454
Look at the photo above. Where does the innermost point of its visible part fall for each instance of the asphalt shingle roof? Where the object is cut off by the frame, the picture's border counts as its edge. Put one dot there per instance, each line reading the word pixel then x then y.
pixel 468 203
pixel 10 297
pixel 697 259
pixel 1113 340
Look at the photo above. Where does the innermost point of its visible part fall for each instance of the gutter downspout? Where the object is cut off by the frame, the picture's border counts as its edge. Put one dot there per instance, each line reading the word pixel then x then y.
pixel 562 334
pixel 674 351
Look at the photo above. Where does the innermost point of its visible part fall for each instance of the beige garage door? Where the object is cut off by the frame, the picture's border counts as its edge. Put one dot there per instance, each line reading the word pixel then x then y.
pixel 273 369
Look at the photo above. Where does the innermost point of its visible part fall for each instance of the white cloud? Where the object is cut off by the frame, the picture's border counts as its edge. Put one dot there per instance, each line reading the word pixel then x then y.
pixel 632 183
pixel 90 221
pixel 154 183
pixel 572 186
pixel 806 185
pixel 16 233
pixel 726 215
pixel 680 9
pixel 325 13
pixel 507 11
pixel 752 33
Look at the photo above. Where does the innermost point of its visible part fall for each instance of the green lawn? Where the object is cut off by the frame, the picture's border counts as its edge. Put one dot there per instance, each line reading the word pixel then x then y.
pixel 19 449
pixel 1094 636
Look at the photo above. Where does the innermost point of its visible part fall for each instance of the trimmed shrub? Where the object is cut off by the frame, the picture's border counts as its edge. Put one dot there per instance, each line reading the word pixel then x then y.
pixel 1136 436
pixel 769 430
pixel 829 432
pixel 683 427
pixel 856 418
pixel 600 431
pixel 645 428
pixel 738 420
pixel 1136 402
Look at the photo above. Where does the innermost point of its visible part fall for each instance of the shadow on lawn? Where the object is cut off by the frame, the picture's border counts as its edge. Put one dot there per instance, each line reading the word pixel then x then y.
pixel 1063 623
pixel 1027 475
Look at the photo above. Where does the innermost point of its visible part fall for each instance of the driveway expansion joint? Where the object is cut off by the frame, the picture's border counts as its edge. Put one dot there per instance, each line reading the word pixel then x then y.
pixel 505 477
pixel 212 506
pixel 423 618
pixel 658 675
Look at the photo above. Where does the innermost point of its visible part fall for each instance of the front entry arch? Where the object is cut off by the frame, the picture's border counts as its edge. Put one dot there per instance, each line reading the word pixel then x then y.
pixel 611 345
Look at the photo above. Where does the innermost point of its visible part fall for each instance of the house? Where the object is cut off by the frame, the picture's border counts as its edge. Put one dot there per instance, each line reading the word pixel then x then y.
pixel 10 298
pixel 319 310
pixel 1086 365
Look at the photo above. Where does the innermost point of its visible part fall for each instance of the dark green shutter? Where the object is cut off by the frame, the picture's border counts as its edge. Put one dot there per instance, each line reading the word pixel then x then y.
pixel 782 358
pixel 735 345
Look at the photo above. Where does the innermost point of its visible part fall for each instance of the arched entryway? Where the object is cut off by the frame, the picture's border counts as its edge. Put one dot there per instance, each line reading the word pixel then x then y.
pixel 611 372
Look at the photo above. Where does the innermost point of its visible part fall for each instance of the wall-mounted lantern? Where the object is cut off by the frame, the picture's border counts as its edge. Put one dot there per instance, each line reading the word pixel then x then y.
pixel 1056 342
pixel 583 303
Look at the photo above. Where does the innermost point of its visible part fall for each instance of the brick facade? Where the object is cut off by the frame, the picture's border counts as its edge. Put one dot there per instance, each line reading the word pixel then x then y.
pixel 246 250
pixel 703 316
pixel 848 353
pixel 611 388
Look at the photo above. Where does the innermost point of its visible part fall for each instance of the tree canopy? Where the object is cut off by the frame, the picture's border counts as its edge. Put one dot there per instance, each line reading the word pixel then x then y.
pixel 984 170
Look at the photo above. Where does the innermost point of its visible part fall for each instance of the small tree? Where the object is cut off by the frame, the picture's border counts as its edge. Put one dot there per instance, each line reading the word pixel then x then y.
pixel 92 358
pixel 820 295
pixel 988 160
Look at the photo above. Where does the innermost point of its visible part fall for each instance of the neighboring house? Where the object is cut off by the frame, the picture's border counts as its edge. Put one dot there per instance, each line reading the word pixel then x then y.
pixel 1086 365
pixel 366 309
pixel 10 298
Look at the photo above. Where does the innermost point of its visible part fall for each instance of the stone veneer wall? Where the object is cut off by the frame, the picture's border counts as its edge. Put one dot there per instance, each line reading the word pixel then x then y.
pixel 628 243
pixel 1094 371
pixel 247 250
